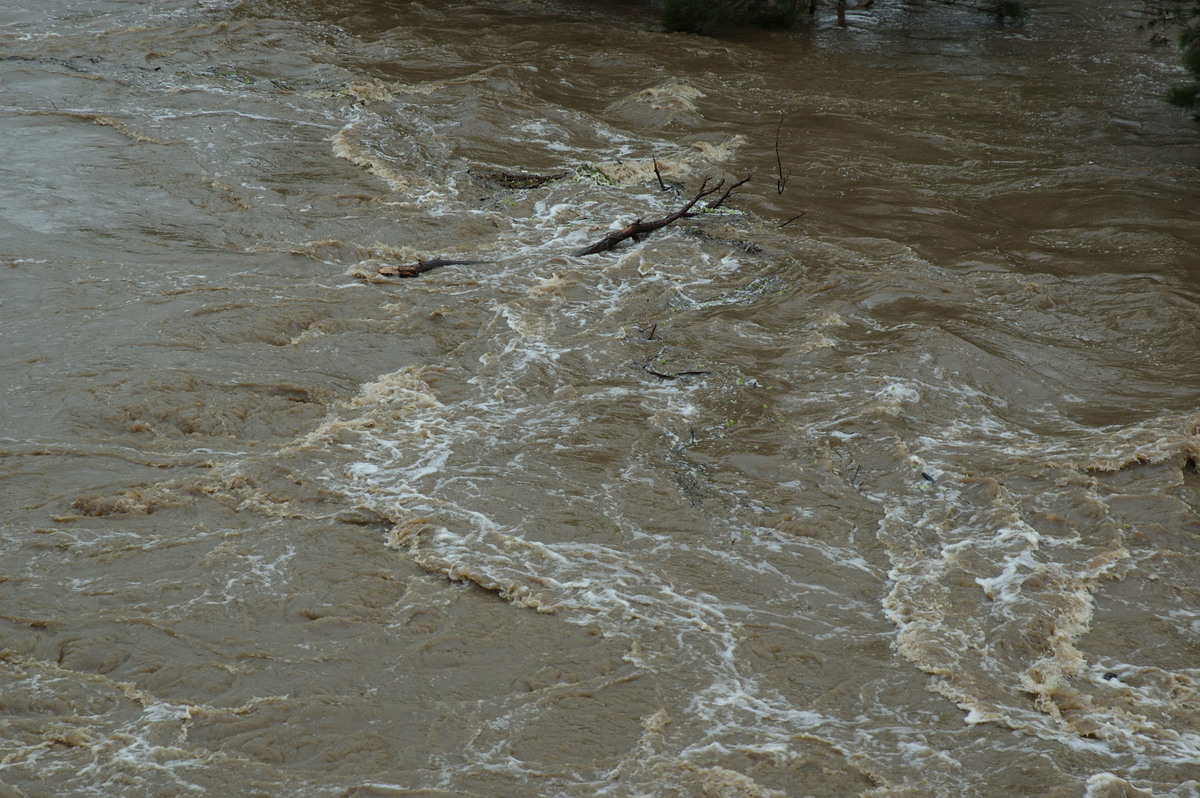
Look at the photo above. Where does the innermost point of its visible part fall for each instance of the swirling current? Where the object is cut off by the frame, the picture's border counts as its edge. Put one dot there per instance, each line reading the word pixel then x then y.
pixel 878 479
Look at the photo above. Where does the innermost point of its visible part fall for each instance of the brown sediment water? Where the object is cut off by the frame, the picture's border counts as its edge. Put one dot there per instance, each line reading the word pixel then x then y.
pixel 895 498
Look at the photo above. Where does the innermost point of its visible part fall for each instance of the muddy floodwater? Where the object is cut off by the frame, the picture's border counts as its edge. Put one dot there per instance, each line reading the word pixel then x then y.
pixel 879 479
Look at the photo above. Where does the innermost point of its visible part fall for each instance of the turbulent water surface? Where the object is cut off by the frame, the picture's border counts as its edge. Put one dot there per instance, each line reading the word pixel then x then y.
pixel 896 498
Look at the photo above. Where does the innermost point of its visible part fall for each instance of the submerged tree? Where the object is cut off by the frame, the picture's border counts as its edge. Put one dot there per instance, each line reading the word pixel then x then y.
pixel 1003 10
pixel 710 16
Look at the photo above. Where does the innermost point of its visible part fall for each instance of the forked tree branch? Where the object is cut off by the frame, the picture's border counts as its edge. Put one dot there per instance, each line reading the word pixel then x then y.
pixel 638 228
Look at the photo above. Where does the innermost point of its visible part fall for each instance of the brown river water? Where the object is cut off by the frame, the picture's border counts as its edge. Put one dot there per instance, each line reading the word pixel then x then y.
pixel 898 498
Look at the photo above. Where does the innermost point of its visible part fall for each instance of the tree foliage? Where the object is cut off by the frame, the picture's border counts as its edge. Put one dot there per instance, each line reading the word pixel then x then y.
pixel 1181 17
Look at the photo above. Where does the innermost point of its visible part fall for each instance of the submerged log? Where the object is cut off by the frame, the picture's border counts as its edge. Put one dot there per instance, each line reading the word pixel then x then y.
pixel 674 375
pixel 422 266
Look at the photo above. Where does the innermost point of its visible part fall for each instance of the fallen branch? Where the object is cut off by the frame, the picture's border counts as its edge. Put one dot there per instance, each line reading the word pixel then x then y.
pixel 422 266
pixel 638 228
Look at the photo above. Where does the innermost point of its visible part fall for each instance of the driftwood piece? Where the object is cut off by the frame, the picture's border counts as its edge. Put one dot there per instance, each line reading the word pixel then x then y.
pixel 638 228
pixel 422 266
pixel 663 375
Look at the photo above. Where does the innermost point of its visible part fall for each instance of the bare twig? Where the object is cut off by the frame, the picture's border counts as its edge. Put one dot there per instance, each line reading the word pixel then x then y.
pixel 712 206
pixel 650 332
pixel 794 218
pixel 638 228
pixel 781 180
pixel 658 174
